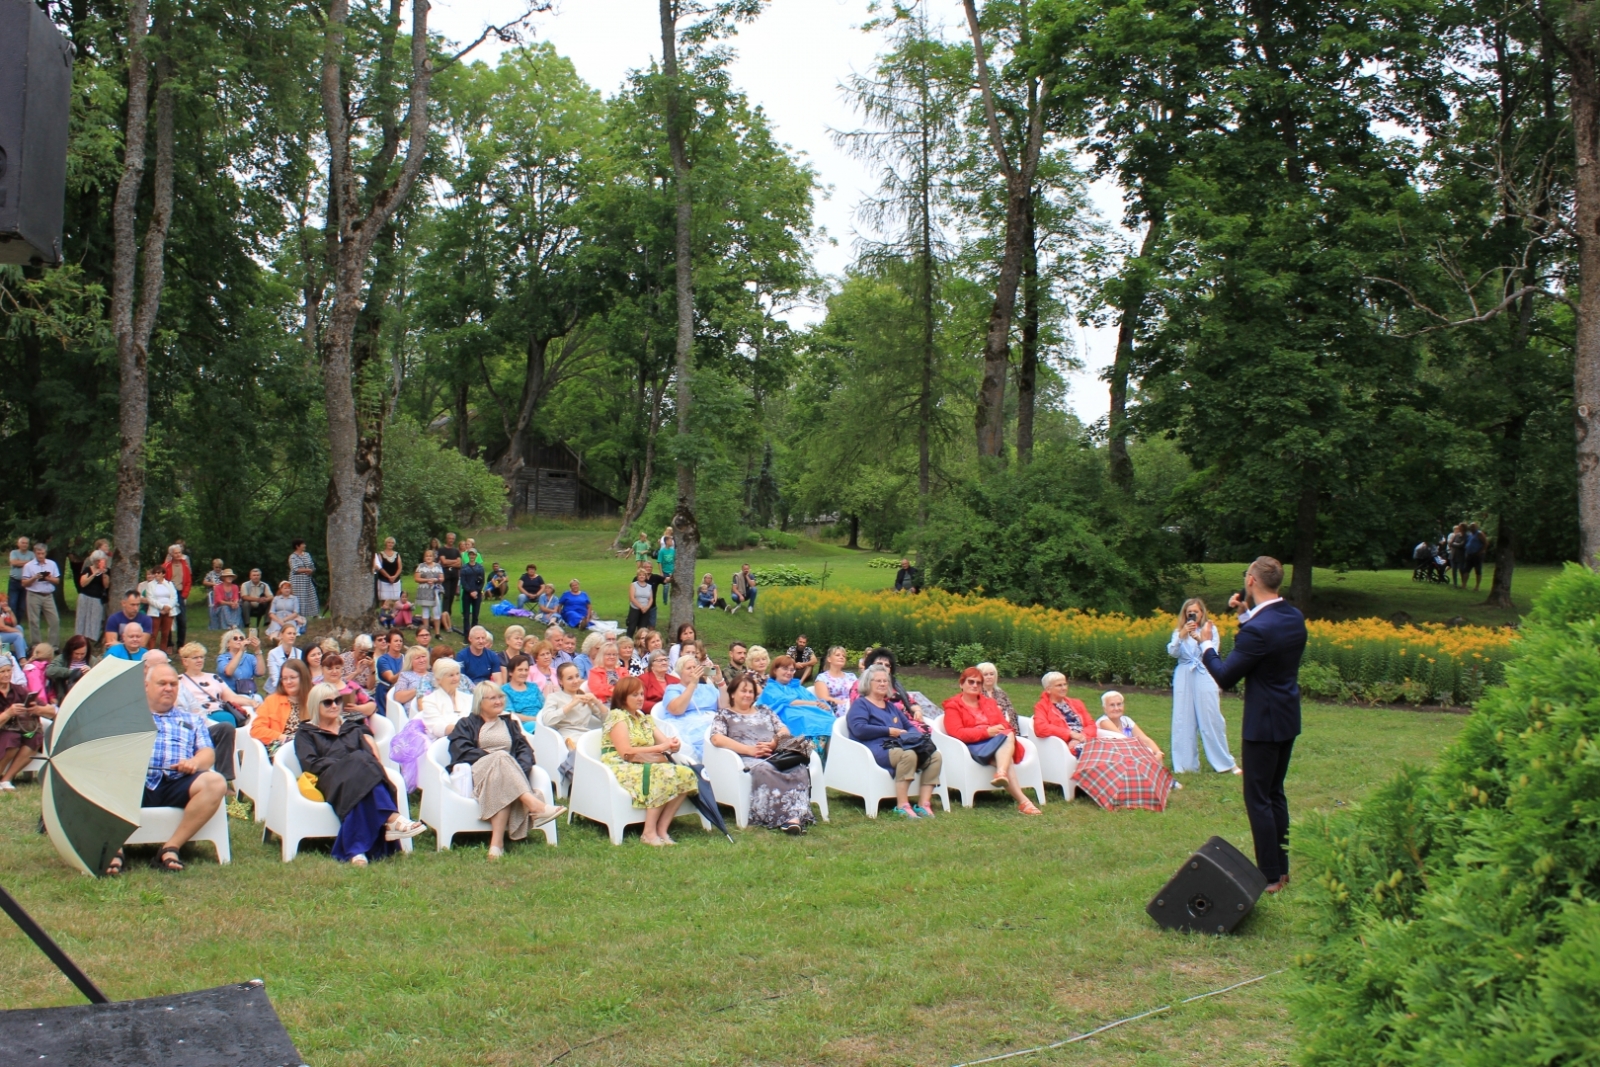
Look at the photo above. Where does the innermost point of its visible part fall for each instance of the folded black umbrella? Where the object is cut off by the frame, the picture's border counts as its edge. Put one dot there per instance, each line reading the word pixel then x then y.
pixel 705 801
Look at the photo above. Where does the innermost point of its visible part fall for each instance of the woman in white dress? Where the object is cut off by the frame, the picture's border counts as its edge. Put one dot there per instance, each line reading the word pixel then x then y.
pixel 386 569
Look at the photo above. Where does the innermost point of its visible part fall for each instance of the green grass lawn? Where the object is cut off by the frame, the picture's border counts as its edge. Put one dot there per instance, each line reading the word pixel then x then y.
pixel 866 942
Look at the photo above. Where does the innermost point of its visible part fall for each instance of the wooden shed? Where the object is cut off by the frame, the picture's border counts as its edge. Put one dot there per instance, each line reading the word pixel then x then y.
pixel 551 482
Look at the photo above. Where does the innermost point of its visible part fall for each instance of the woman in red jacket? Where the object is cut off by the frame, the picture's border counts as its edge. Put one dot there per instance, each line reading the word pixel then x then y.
pixel 976 720
pixel 1058 715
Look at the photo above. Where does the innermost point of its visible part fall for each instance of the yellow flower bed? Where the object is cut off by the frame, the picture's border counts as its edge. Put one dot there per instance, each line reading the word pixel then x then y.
pixel 1366 659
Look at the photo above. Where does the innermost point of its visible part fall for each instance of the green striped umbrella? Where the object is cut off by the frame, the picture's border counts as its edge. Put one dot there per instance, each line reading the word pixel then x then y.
pixel 94 773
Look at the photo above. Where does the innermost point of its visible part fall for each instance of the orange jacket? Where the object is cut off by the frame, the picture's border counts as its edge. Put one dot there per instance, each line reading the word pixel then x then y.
pixel 271 717
pixel 1048 722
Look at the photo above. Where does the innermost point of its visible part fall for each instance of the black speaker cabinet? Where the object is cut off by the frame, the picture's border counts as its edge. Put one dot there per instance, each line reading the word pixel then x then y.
pixel 35 98
pixel 1211 893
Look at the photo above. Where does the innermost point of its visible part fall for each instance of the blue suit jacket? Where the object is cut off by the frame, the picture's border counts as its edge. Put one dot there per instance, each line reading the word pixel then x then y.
pixel 1267 651
pixel 870 725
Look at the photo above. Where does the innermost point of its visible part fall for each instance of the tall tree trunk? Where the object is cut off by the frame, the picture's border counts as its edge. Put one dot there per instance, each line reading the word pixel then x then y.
pixel 1505 563
pixel 134 326
pixel 353 230
pixel 463 436
pixel 1028 370
pixel 532 392
pixel 1585 103
pixel 1130 316
pixel 989 420
pixel 855 532
pixel 643 474
pixel 685 527
pixel 1305 541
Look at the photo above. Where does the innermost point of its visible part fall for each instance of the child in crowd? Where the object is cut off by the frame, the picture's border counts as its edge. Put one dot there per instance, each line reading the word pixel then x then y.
pixel 402 610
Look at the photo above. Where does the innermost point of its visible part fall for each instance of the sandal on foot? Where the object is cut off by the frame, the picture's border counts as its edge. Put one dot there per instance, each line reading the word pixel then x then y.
pixel 794 829
pixel 547 815
pixel 998 781
pixel 114 868
pixel 395 831
pixel 167 860
pixel 496 853
pixel 358 861
pixel 1028 809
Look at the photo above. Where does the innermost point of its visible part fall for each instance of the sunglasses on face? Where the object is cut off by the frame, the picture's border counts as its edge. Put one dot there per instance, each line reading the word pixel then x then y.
pixel 330 703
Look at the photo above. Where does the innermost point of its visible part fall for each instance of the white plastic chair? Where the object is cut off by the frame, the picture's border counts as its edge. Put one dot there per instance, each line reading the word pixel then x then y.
pixel 549 752
pixel 852 769
pixel 157 824
pixel 731 782
pixel 397 713
pixel 969 777
pixel 294 818
pixel 383 731
pixel 449 813
pixel 596 794
pixel 253 776
pixel 1056 762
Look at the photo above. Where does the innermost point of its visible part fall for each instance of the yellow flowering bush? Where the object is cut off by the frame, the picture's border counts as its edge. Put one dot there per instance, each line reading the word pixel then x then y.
pixel 1366 659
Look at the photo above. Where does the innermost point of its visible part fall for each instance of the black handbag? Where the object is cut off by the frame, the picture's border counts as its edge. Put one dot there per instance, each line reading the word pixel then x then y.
pixel 922 745
pixel 791 752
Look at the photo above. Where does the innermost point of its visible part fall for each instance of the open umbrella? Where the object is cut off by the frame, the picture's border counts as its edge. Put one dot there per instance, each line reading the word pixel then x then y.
pixel 1119 772
pixel 94 772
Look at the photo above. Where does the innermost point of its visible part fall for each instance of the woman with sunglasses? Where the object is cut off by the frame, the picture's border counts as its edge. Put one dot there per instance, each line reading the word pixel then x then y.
pixel 350 776
pixel 977 721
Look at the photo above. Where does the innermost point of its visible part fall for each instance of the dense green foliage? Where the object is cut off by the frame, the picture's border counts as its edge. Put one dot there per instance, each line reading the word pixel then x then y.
pixel 1460 907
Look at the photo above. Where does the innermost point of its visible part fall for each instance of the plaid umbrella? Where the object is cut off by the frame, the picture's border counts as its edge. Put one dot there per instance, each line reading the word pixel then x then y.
pixel 1119 772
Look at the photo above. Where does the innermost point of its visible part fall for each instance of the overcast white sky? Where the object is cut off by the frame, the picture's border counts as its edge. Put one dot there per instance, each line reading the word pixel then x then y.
pixel 791 62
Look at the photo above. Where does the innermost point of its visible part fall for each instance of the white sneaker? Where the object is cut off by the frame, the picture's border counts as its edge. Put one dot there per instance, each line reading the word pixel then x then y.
pixel 7 787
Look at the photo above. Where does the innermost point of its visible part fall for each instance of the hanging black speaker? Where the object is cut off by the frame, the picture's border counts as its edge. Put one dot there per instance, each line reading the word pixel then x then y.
pixel 35 99
pixel 1212 892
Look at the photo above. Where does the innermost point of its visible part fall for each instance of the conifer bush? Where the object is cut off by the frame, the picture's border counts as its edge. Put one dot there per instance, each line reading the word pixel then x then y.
pixel 1458 910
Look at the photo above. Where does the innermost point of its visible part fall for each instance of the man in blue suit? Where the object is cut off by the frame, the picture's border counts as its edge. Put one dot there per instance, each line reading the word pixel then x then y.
pixel 1267 651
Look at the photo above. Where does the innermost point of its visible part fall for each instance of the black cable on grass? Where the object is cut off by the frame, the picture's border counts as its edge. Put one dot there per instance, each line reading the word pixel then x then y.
pixel 1120 1022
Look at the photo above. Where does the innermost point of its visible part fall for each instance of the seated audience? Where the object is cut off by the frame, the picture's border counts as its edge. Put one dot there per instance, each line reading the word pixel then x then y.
pixel 627 657
pixel 240 663
pixel 542 667
pixel 760 662
pixel 656 678
pixel 284 610
pixel 640 756
pixel 131 612
pixel 354 699
pixel 21 732
pixel 479 662
pixel 779 799
pixel 132 645
pixel 585 660
pixel 501 760
pixel 388 667
pixel 416 679
pixel 576 610
pixel 181 773
pixel 977 721
pixel 1058 715
pixel 450 700
pixel 797 707
pixel 206 695
pixel 897 741
pixel 1114 722
pixel 570 711
pixel 549 605
pixel 76 657
pixel 835 684
pixel 607 669
pixel 692 703
pixel 706 594
pixel 805 658
pixel 516 639
pixel 284 712
pixel 992 690
pixel 524 701
pixel 359 668
pixel 343 756
pixel 684 642
pixel 281 653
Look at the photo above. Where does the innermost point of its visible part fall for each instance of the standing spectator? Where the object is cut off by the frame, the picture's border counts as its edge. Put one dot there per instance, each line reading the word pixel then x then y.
pixel 301 568
pixel 94 589
pixel 805 658
pixel 256 597
pixel 285 610
pixel 160 597
pixel 472 586
pixel 906 579
pixel 430 580
pixel 641 548
pixel 177 570
pixel 1476 548
pixel 213 579
pixel 1456 545
pixel 131 612
pixel 450 562
pixel 744 590
pixel 226 600
pixel 19 559
pixel 386 566
pixel 642 598
pixel 529 586
pixel 576 610
pixel 40 577
pixel 667 556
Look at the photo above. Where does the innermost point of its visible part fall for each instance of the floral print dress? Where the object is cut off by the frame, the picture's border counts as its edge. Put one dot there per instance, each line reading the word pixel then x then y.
pixel 777 798
pixel 649 784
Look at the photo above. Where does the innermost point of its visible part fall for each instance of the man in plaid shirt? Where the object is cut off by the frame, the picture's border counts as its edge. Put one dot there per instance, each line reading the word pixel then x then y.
pixel 180 774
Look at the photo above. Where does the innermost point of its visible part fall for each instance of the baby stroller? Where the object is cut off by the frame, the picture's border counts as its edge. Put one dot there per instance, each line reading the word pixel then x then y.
pixel 1429 563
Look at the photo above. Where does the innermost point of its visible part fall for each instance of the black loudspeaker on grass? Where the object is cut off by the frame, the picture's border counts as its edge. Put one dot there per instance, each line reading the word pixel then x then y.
pixel 1212 892
pixel 35 99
